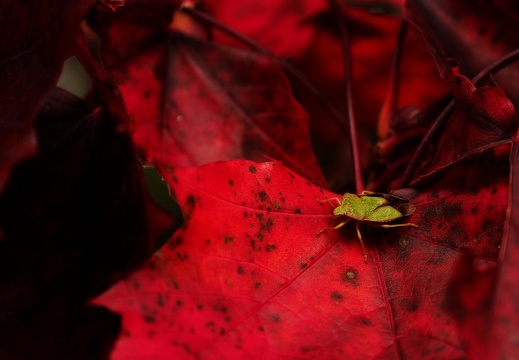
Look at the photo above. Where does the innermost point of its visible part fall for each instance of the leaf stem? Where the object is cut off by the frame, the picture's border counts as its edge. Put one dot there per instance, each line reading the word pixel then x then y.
pixel 512 196
pixel 390 102
pixel 499 65
pixel 347 67
pixel 208 19
pixel 289 68
pixel 424 145
pixel 477 80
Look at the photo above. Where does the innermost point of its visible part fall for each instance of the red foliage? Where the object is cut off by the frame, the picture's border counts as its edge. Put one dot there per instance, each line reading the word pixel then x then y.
pixel 242 136
pixel 485 116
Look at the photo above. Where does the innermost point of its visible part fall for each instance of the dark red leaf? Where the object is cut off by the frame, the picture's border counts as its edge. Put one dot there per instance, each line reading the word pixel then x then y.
pixel 35 42
pixel 503 340
pixel 136 26
pixel 484 118
pixel 194 102
pixel 466 208
pixel 484 296
pixel 73 221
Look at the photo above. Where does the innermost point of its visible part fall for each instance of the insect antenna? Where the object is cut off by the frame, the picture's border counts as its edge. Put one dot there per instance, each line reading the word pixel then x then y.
pixel 328 200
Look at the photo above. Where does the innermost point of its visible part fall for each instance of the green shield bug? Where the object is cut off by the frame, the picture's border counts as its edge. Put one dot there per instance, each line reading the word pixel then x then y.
pixel 373 209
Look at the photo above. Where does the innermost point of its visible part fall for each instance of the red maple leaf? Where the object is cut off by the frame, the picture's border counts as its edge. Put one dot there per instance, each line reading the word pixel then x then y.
pixel 204 293
pixel 249 277
pixel 200 90
pixel 243 107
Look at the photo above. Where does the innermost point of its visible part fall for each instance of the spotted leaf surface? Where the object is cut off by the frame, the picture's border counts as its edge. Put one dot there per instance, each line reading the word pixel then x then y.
pixel 193 101
pixel 248 278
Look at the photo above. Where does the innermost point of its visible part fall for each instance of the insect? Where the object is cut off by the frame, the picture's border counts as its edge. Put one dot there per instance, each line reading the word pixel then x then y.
pixel 373 209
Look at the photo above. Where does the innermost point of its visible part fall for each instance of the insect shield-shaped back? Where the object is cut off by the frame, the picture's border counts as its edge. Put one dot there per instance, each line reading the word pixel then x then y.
pixel 373 207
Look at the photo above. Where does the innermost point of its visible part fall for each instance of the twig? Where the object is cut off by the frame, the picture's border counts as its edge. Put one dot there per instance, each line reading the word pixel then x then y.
pixel 346 57
pixel 390 102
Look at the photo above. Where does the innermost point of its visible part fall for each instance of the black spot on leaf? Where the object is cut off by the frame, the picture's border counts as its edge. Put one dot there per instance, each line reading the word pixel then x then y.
pixel 149 319
pixel 175 285
pixel 187 348
pixel 271 247
pixel 411 306
pixel 174 243
pixel 267 225
pixel 350 276
pixel 263 196
pixel 336 295
pixel 365 321
pixel 182 257
pixel 190 202
pixel 228 239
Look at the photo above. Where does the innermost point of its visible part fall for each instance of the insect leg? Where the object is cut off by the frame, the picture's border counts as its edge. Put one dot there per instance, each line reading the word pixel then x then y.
pixel 335 227
pixel 325 198
pixel 335 217
pixel 393 225
pixel 361 242
pixel 328 200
